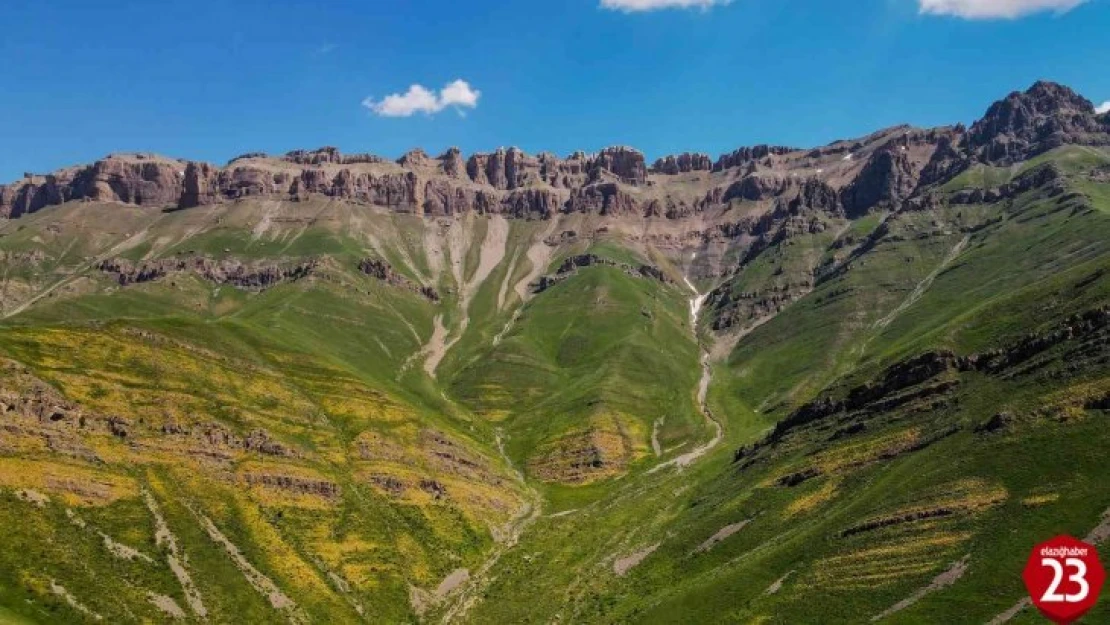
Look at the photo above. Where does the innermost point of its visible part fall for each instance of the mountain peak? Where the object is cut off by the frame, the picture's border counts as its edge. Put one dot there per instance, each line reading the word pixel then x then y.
pixel 1024 124
pixel 1048 95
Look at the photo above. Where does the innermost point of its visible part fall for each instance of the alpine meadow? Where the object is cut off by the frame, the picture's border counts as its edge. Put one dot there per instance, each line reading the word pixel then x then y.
pixel 840 384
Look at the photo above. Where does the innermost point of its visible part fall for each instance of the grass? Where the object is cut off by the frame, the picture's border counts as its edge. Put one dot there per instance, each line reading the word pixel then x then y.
pixel 395 479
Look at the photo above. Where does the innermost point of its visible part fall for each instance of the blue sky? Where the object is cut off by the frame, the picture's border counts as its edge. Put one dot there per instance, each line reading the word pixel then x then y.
pixel 209 80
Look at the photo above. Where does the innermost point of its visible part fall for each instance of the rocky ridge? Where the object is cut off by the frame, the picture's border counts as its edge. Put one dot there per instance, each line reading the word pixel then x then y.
pixel 254 276
pixel 853 177
pixel 573 263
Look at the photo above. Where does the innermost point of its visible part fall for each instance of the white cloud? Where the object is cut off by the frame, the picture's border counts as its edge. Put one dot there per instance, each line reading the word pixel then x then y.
pixel 1103 108
pixel 459 93
pixel 995 9
pixel 419 99
pixel 639 6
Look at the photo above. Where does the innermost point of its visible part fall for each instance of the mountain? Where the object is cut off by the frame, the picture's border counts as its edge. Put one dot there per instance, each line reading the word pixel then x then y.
pixel 835 384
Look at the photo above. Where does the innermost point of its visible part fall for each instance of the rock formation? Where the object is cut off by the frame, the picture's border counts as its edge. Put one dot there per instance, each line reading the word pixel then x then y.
pixel 1046 116
pixel 850 177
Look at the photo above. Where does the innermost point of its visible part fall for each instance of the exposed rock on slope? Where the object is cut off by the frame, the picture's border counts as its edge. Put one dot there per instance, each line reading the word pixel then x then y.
pixel 381 270
pixel 1084 331
pixel 572 264
pixel 888 177
pixel 247 276
pixel 682 163
pixel 1046 116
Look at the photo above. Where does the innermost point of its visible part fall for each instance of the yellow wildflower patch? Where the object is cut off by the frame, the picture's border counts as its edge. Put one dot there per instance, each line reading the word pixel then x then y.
pixel 75 485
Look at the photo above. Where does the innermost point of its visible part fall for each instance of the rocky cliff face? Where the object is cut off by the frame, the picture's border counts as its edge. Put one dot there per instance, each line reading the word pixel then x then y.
pixel 682 163
pixel 141 179
pixel 1046 116
pixel 846 177
pixel 887 178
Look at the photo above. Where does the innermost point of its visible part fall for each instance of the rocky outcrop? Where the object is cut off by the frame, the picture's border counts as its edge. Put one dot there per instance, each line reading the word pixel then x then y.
pixel 449 457
pixel 216 439
pixel 947 159
pixel 935 373
pixel 747 155
pixel 250 276
pixel 452 163
pixel 740 309
pixel 1048 177
pixel 886 179
pixel 30 407
pixel 682 163
pixel 816 195
pixel 442 198
pixel 624 162
pixel 295 484
pixel 758 186
pixel 1090 326
pixel 596 452
pixel 536 203
pixel 495 169
pixel 574 263
pixel 1023 125
pixel 381 270
pixel 141 179
pixel 200 187
pixel 608 198
pixel 128 272
pixel 260 441
pixel 324 155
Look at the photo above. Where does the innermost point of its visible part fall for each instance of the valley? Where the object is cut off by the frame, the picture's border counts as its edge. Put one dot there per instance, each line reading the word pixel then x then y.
pixel 501 388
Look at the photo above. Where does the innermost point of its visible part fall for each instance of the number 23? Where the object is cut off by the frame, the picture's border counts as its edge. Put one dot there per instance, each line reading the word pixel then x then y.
pixel 1080 577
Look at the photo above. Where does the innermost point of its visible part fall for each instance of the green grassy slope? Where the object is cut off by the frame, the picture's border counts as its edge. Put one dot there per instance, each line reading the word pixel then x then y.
pixel 897 393
pixel 902 487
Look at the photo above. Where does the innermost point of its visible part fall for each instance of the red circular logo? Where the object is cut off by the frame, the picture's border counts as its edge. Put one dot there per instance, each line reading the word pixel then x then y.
pixel 1064 578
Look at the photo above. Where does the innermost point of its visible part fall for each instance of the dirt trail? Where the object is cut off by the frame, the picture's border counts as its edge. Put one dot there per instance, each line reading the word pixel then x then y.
pixel 689 457
pixel 122 551
pixel 303 229
pixel 115 250
pixel 940 582
pixel 457 245
pixel 925 283
pixel 1011 613
pixel 559 515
